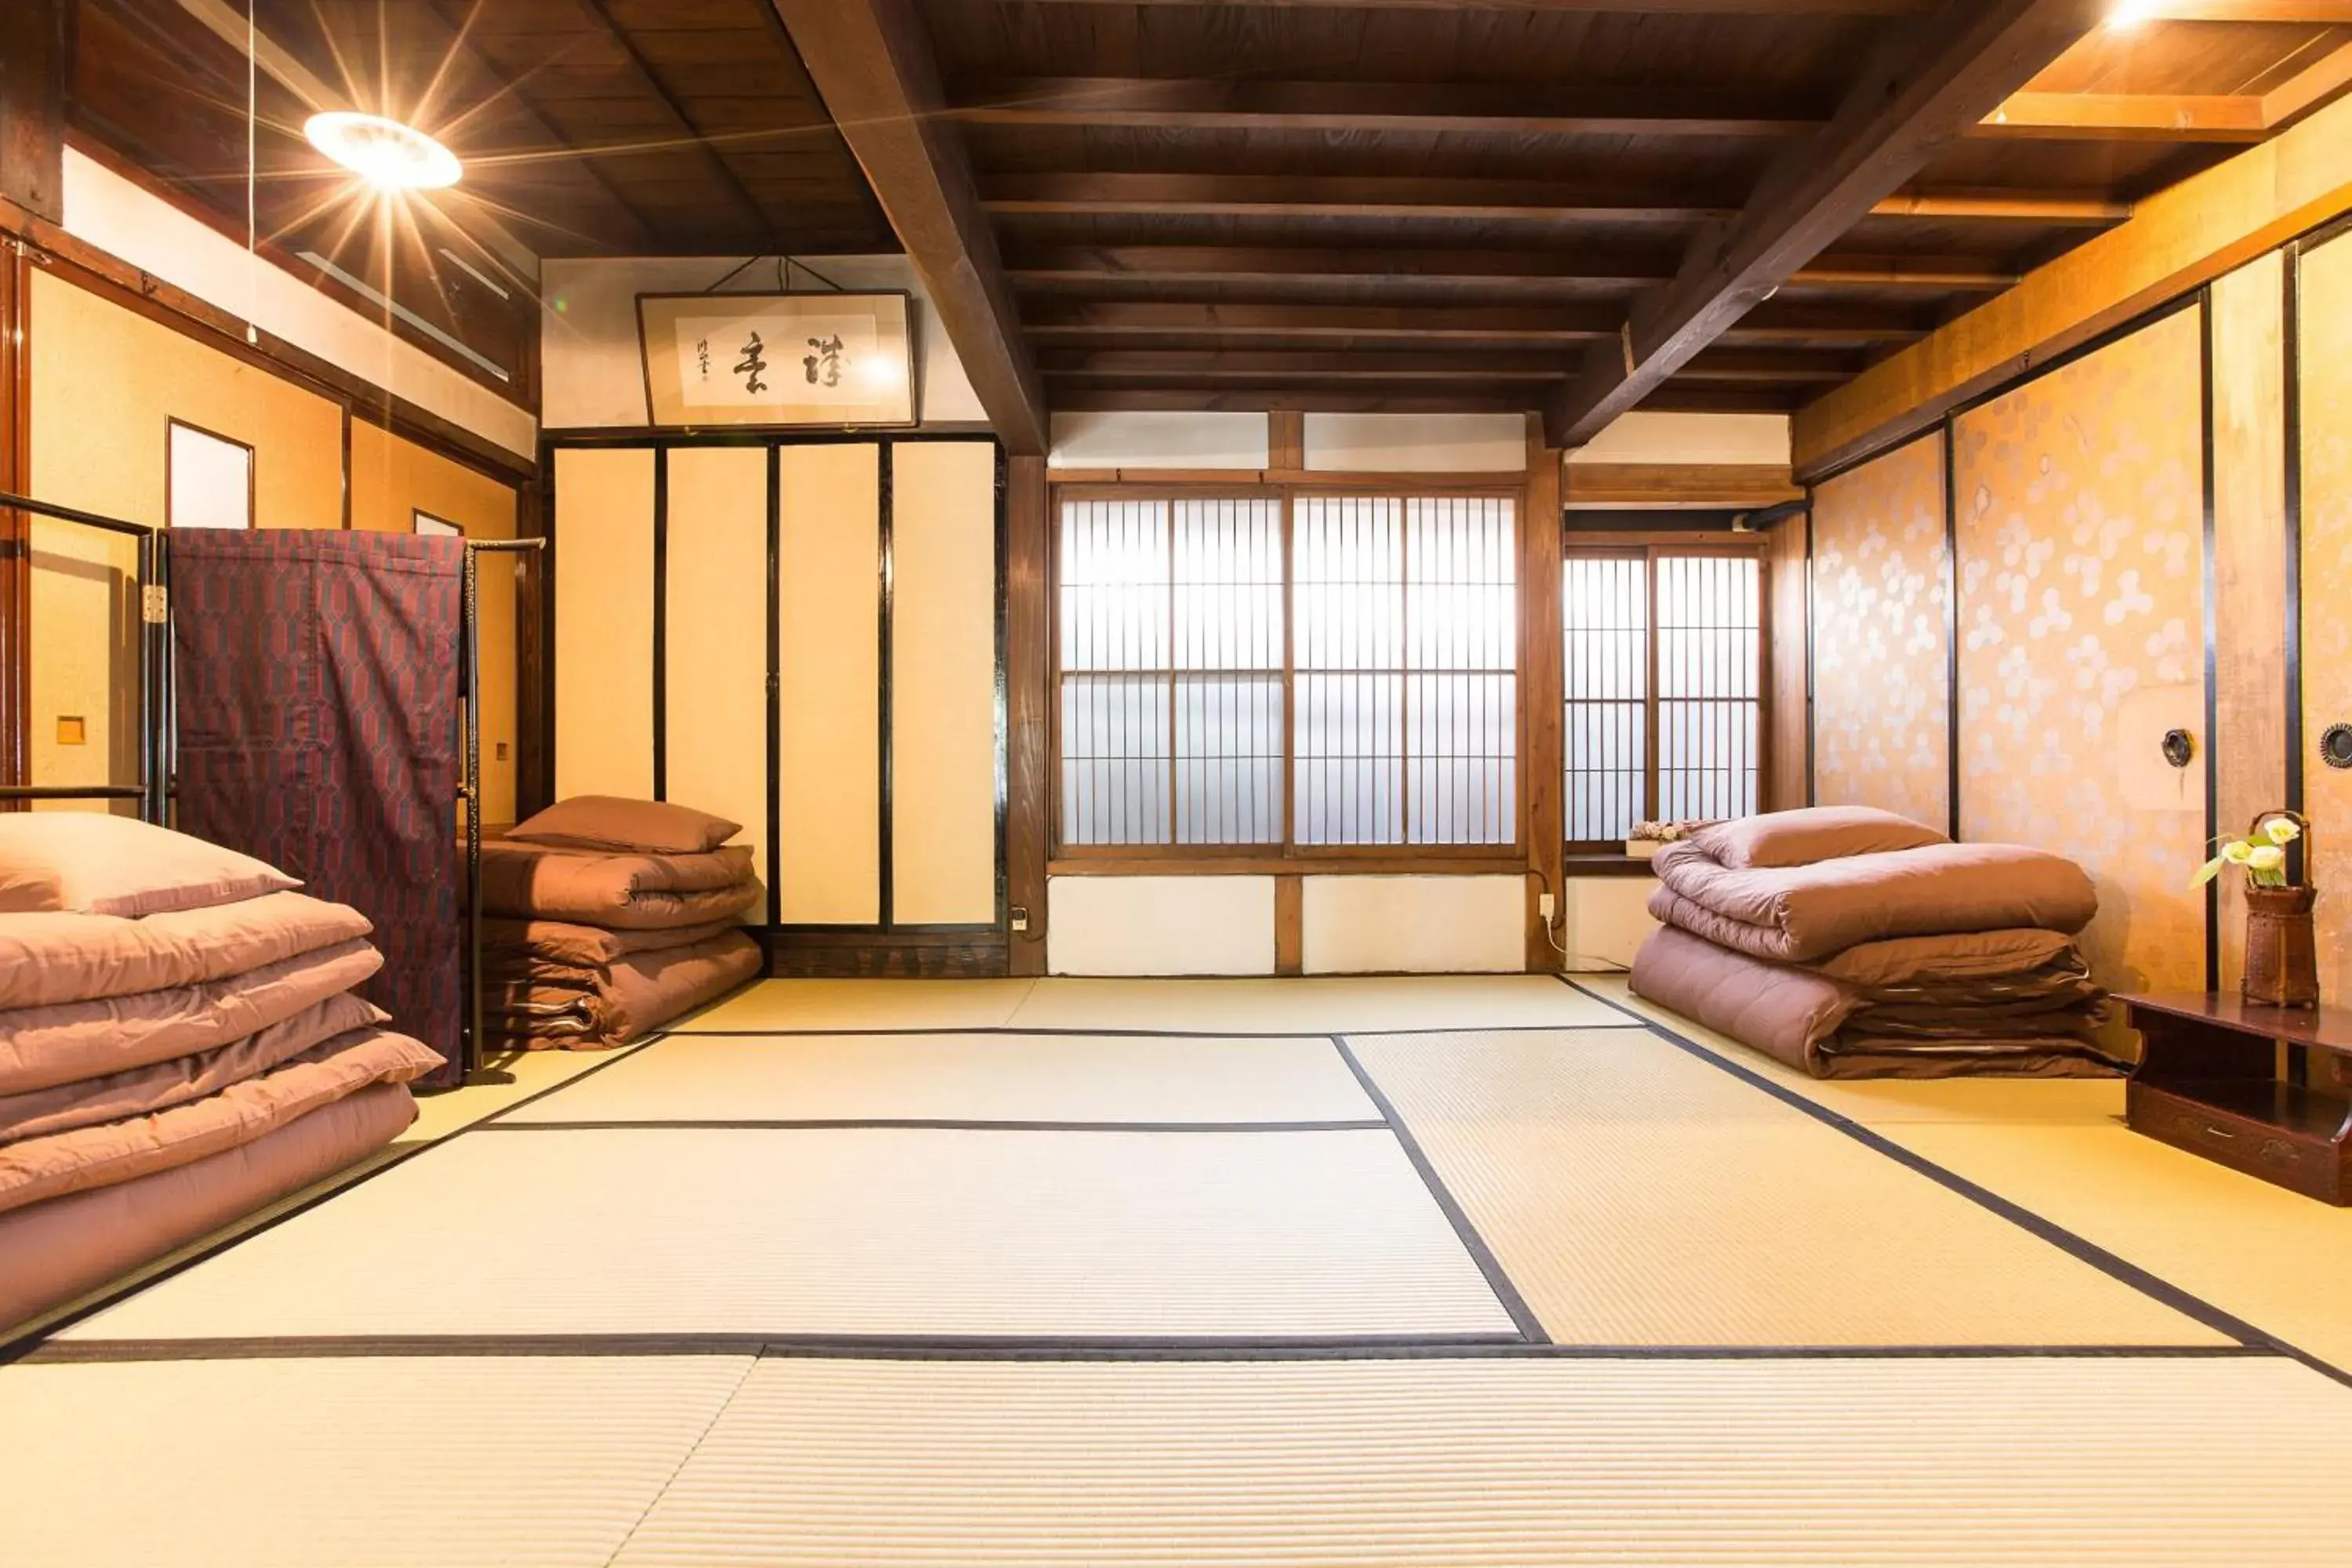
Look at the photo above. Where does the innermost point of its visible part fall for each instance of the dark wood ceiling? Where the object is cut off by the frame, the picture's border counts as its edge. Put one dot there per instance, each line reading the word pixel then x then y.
pixel 1407 204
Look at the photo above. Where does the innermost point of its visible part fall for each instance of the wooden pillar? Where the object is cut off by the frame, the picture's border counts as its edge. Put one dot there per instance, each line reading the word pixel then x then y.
pixel 15 527
pixel 36 65
pixel 1542 761
pixel 1787 562
pixel 1028 700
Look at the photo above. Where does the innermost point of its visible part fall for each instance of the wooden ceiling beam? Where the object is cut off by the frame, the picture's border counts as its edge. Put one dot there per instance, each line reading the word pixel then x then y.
pixel 1559 8
pixel 1198 103
pixel 1929 83
pixel 1501 325
pixel 1363 398
pixel 2127 117
pixel 871 62
pixel 1399 197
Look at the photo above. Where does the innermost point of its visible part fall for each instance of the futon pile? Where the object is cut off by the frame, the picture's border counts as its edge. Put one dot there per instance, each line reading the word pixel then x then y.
pixel 180 1045
pixel 607 918
pixel 1856 943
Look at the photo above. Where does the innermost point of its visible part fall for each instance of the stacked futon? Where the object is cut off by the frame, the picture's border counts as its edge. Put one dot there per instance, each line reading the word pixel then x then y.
pixel 1855 943
pixel 607 918
pixel 180 1043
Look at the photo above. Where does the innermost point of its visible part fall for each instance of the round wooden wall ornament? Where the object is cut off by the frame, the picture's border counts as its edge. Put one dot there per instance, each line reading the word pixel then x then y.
pixel 2180 746
pixel 2336 746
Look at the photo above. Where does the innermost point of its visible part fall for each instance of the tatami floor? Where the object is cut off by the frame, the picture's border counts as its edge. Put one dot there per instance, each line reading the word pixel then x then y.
pixel 1464 1270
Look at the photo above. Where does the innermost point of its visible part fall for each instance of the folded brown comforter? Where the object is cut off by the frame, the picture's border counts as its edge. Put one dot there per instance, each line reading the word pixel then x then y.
pixel 52 1252
pixel 159 1085
pixel 68 1041
pixel 556 1003
pixel 50 958
pixel 1798 914
pixel 508 941
pixel 617 891
pixel 2036 1023
pixel 39 1169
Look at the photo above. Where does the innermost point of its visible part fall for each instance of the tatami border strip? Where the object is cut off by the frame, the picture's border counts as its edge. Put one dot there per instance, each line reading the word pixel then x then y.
pixel 1133 1034
pixel 938 1124
pixel 1531 1327
pixel 2082 1250
pixel 1092 1348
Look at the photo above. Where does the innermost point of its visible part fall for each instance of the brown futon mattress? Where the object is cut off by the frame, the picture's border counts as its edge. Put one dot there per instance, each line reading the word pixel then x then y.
pixel 54 957
pixel 51 1252
pixel 2034 1022
pixel 555 1004
pixel 615 890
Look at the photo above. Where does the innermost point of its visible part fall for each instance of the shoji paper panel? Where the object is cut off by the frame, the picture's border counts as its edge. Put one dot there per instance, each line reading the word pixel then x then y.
pixel 2326 322
pixel 1880 679
pixel 829 599
pixel 2250 564
pixel 604 623
pixel 718 628
pixel 943 682
pixel 2081 608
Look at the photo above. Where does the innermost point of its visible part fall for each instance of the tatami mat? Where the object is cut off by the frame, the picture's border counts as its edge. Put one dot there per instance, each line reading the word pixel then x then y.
pixel 822 1005
pixel 344 1464
pixel 967 1078
pixel 852 1231
pixel 1637 1195
pixel 1337 1006
pixel 2273 1257
pixel 2050 1462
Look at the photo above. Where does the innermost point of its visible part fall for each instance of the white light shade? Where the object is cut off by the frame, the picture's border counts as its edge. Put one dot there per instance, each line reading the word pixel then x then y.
pixel 384 152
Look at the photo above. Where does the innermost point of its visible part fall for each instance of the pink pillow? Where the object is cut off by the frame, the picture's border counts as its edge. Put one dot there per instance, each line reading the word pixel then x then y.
pixel 93 863
pixel 1811 834
pixel 609 822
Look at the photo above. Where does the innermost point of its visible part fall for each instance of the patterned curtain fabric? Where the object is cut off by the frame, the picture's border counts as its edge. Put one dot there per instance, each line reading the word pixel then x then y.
pixel 316 684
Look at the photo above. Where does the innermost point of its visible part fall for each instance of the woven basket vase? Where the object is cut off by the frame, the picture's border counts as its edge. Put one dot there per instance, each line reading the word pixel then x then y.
pixel 2282 951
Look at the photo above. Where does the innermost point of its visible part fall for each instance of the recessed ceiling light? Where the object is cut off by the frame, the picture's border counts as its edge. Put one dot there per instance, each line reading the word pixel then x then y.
pixel 384 152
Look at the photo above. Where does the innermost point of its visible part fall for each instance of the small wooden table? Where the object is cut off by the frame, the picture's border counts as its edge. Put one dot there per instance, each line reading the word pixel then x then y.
pixel 2266 1090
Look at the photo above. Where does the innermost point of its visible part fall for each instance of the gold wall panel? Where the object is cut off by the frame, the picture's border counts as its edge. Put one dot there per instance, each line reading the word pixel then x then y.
pixel 829 600
pixel 604 623
pixel 2081 613
pixel 1881 645
pixel 2326 352
pixel 943 682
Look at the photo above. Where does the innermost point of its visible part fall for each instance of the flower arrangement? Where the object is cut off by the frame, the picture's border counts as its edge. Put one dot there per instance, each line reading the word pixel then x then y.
pixel 2263 853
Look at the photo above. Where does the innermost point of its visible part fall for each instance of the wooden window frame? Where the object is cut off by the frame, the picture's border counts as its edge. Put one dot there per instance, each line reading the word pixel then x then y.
pixel 1650 549
pixel 1289 857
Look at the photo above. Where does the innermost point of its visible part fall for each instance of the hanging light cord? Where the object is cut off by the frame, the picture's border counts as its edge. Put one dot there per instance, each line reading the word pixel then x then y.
pixel 252 220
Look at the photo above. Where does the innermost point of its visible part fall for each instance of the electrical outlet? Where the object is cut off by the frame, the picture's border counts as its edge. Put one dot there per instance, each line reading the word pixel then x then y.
pixel 1020 919
pixel 1545 905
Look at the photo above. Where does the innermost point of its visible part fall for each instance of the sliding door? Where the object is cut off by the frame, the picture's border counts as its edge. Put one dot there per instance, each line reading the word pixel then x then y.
pixel 604 503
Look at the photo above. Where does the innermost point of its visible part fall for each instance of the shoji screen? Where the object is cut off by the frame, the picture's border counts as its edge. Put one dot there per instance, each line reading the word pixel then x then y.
pixel 829 690
pixel 1881 675
pixel 2325 321
pixel 943 782
pixel 605 623
pixel 2080 529
pixel 715 674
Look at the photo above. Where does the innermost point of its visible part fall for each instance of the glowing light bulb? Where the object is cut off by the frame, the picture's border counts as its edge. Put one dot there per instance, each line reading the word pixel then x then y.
pixel 384 152
pixel 2128 13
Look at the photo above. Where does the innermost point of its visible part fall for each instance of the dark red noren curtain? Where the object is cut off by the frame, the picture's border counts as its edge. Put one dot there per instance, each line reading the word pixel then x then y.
pixel 317 681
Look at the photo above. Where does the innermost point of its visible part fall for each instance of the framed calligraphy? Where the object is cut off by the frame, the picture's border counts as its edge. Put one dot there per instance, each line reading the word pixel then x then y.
pixel 806 358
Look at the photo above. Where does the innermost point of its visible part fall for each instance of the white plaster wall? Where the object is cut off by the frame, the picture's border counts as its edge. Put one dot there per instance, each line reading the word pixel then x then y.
pixel 120 218
pixel 1416 443
pixel 1605 920
pixel 1157 438
pixel 1643 437
pixel 1426 925
pixel 591 370
pixel 1160 925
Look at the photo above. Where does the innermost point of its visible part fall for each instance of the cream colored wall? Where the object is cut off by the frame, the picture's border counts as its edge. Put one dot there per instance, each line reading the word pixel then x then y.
pixel 391 479
pixel 717 580
pixel 943 682
pixel 105 384
pixel 829 607
pixel 1159 438
pixel 1603 921
pixel 1160 925
pixel 1416 443
pixel 604 623
pixel 1419 925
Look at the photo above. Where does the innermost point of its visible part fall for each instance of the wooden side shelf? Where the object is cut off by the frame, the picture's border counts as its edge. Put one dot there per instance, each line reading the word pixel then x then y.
pixel 2208 1081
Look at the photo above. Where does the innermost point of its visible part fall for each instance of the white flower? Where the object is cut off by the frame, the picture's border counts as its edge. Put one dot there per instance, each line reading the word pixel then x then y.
pixel 2265 857
pixel 2281 830
pixel 2238 852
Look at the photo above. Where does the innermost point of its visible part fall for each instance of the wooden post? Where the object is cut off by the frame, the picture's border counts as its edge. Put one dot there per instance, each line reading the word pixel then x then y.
pixel 1540 690
pixel 1028 699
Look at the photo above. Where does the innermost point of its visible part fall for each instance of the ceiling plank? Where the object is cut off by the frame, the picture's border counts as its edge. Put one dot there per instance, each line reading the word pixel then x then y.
pixel 872 64
pixel 1929 85
pixel 675 111
pixel 1200 103
pixel 36 55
